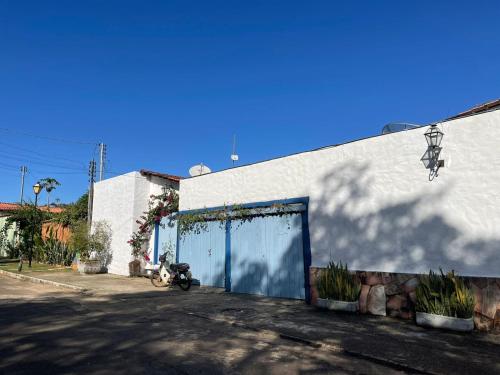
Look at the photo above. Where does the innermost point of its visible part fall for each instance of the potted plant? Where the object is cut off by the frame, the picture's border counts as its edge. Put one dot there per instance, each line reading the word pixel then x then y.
pixel 444 301
pixel 338 289
pixel 93 248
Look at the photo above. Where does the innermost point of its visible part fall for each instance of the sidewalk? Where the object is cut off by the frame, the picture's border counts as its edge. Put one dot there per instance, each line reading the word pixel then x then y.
pixel 100 283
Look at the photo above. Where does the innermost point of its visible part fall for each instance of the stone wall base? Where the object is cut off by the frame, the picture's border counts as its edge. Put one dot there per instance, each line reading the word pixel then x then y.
pixel 393 294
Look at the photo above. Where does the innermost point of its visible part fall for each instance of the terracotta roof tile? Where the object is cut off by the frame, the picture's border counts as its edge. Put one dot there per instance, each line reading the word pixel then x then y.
pixel 170 177
pixel 8 206
pixel 488 106
pixel 14 206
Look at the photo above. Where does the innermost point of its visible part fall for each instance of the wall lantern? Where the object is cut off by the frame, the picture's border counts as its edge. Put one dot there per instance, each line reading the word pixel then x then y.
pixel 430 159
pixel 433 136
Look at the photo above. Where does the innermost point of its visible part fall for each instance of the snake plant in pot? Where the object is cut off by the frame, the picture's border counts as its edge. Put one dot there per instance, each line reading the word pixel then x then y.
pixel 338 288
pixel 444 301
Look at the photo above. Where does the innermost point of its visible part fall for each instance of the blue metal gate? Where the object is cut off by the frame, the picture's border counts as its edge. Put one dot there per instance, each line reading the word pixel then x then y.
pixel 167 239
pixel 206 253
pixel 267 256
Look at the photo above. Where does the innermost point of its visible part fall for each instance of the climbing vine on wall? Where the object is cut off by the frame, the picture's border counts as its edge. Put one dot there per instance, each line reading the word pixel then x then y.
pixel 167 203
pixel 159 206
pixel 197 222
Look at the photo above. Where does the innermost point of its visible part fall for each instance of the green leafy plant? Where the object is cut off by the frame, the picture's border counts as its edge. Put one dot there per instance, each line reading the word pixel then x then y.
pixel 446 295
pixel 53 251
pixel 95 245
pixel 337 283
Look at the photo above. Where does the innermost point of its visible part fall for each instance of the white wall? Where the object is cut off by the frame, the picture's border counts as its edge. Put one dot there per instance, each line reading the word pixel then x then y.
pixel 372 204
pixel 120 201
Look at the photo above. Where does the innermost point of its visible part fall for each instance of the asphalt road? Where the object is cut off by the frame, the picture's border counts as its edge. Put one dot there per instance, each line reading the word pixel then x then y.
pixel 47 330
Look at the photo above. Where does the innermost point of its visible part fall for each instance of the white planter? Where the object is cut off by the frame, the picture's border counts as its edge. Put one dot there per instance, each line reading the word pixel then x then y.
pixel 91 267
pixel 331 304
pixel 445 322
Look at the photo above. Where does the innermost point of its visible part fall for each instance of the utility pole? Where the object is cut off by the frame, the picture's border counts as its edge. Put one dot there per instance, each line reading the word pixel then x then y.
pixel 24 170
pixel 102 158
pixel 91 192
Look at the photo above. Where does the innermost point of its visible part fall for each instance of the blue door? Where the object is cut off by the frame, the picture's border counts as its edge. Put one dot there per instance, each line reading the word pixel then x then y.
pixel 206 253
pixel 267 256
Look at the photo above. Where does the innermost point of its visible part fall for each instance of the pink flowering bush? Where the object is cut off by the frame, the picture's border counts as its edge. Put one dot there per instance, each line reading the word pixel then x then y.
pixel 159 206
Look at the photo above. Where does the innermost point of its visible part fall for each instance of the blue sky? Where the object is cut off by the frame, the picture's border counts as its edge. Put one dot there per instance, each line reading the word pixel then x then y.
pixel 166 84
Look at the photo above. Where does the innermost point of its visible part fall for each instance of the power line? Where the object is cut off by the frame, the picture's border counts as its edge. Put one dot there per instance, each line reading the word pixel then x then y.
pixel 42 155
pixel 26 160
pixel 16 167
pixel 52 139
pixel 39 160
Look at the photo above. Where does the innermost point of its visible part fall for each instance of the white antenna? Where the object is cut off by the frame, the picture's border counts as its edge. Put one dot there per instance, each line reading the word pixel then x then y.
pixel 198 170
pixel 234 155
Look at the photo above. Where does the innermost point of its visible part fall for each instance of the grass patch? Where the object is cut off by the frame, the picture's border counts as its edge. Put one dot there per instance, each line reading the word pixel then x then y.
pixel 35 267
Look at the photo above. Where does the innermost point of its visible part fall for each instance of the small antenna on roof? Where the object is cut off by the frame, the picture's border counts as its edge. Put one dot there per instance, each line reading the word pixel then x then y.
pixel 234 155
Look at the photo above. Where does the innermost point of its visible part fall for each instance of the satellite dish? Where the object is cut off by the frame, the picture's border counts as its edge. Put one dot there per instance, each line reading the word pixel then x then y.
pixel 198 170
pixel 395 127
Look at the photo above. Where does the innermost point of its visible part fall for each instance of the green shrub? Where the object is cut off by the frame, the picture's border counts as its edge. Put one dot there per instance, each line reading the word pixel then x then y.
pixel 94 245
pixel 51 250
pixel 337 283
pixel 446 295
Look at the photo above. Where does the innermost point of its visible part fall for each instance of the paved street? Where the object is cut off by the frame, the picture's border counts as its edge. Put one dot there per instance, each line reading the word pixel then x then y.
pixel 47 330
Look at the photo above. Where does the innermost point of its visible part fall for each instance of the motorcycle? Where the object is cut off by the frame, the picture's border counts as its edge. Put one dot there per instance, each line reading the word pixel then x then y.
pixel 171 274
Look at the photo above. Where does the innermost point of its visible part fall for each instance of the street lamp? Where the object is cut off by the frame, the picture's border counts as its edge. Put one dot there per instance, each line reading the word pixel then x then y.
pixel 37 188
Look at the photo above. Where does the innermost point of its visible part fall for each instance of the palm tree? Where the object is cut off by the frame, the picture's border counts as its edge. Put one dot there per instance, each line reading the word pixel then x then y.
pixel 49 184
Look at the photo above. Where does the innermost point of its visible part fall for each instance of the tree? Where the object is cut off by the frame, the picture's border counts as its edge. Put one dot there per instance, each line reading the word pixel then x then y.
pixel 49 184
pixel 29 219
pixel 74 213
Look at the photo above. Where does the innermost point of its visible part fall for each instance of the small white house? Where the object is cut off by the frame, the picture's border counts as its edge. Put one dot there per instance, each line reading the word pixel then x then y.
pixel 120 201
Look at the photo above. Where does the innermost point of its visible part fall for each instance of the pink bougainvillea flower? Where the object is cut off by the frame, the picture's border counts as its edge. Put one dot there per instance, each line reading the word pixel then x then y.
pixel 146 257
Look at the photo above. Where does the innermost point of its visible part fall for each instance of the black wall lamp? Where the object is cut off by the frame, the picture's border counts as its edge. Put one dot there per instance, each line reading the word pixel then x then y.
pixel 431 160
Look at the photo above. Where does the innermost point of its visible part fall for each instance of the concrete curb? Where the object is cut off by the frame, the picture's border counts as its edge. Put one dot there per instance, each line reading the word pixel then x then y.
pixel 36 280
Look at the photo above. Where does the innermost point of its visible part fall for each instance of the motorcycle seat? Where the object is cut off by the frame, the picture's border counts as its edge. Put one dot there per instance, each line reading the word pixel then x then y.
pixel 179 267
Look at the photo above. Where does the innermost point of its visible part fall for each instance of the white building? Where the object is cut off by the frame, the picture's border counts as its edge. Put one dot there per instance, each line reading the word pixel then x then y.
pixel 120 201
pixel 372 204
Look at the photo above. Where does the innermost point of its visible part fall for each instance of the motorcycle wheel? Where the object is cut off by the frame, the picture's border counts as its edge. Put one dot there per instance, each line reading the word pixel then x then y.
pixel 156 279
pixel 184 283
